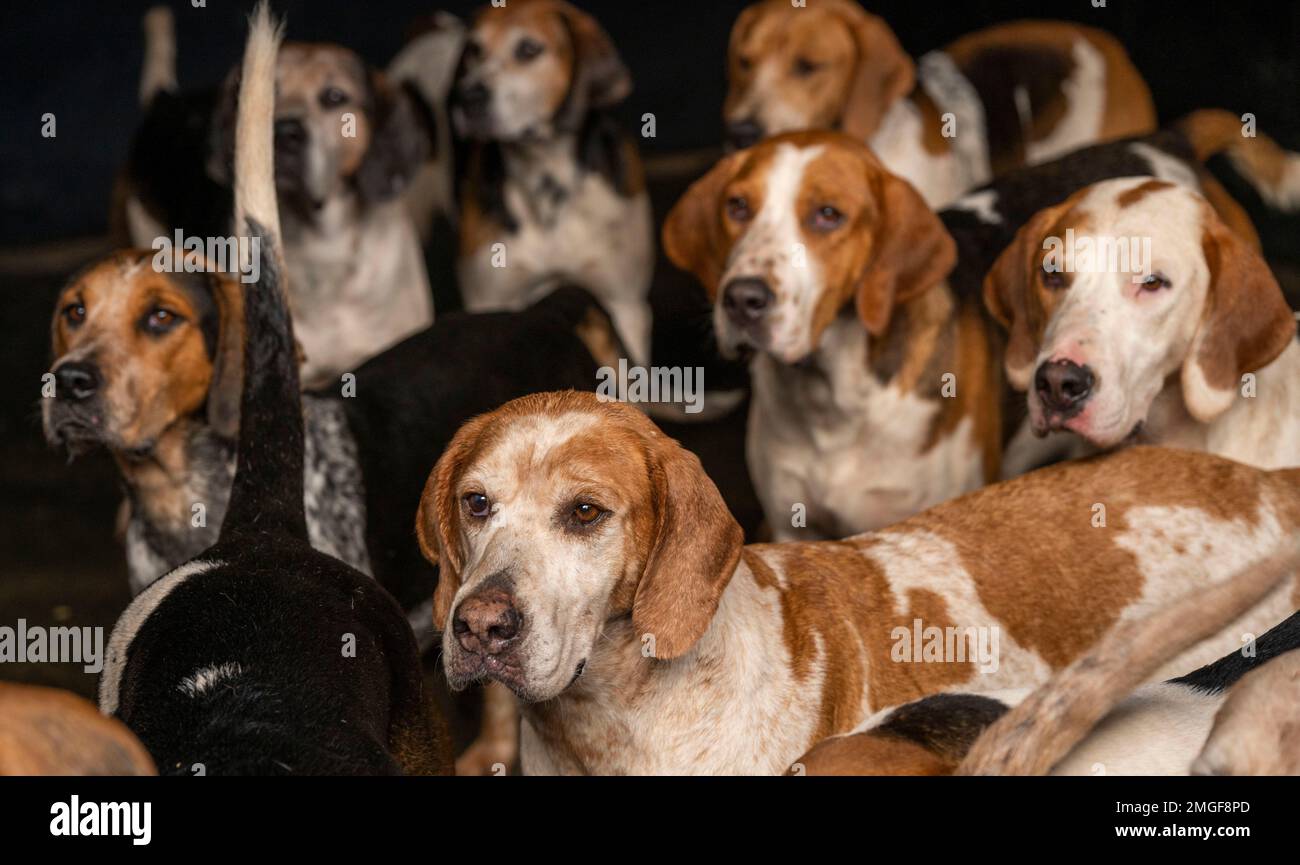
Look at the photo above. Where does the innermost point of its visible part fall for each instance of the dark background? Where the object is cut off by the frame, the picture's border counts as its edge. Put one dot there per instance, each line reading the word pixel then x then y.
pixel 59 560
pixel 81 61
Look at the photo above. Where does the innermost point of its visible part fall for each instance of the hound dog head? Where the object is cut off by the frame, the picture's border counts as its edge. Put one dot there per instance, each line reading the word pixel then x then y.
pixel 556 514
pixel 1094 343
pixel 822 66
pixel 137 349
pixel 785 234
pixel 340 128
pixel 533 68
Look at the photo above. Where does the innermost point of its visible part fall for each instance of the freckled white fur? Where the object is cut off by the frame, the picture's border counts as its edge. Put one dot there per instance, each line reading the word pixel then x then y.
pixel 129 624
pixel 849 448
pixel 1213 549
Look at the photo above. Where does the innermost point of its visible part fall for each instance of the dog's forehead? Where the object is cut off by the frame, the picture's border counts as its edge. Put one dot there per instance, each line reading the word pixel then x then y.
pixel 1141 208
pixel 780 26
pixel 310 64
pixel 500 27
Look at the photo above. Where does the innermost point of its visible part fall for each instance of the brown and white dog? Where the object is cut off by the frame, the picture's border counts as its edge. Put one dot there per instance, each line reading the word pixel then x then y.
pixel 554 188
pixel 348 140
pixel 44 731
pixel 833 270
pixel 589 564
pixel 1009 95
pixel 1085 721
pixel 1194 348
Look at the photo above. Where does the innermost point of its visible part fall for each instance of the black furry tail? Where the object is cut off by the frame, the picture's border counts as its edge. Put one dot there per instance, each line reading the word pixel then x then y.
pixel 267 496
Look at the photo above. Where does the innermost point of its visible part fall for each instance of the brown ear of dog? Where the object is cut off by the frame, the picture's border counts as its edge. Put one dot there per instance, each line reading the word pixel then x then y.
pixel 1246 324
pixel 599 79
pixel 884 72
pixel 912 250
pixel 696 547
pixel 693 236
pixel 44 731
pixel 1010 293
pixel 403 138
pixel 437 521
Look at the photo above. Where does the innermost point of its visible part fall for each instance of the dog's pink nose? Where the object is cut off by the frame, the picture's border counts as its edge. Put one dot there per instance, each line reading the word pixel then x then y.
pixel 487 623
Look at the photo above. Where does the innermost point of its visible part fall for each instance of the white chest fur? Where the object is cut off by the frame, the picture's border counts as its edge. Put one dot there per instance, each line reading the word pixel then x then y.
pixel 848 449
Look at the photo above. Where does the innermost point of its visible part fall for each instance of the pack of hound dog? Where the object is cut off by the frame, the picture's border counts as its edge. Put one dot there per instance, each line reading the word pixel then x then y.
pixel 1026 509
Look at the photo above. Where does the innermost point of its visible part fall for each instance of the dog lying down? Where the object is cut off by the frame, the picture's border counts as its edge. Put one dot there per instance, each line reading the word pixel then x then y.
pixel 1235 716
pixel 264 656
pixel 590 565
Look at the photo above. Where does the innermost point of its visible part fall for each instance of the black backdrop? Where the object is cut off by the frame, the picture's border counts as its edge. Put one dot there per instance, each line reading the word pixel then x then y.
pixel 80 60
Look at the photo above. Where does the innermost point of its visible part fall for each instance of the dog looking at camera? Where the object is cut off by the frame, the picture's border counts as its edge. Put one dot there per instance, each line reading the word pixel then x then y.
pixel 348 141
pixel 553 187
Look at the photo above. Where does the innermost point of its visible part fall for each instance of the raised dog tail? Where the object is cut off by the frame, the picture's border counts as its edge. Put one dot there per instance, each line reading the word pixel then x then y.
pixel 158 73
pixel 1273 171
pixel 267 494
pixel 1035 735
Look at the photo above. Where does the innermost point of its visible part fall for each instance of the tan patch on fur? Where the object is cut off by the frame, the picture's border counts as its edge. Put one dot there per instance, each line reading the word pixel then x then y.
pixel 44 731
pixel 872 753
pixel 597 333
pixel 1130 197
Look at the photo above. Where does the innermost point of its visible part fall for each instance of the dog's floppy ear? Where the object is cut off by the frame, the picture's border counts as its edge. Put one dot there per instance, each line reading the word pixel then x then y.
pixel 1011 296
pixel 1246 323
pixel 883 75
pixel 599 78
pixel 404 135
pixel 693 235
pixel 695 549
pixel 226 387
pixel 221 132
pixel 912 251
pixel 437 522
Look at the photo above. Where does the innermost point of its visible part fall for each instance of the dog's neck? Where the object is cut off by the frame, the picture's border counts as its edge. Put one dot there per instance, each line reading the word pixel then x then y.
pixel 1262 429
pixel 610 720
pixel 545 171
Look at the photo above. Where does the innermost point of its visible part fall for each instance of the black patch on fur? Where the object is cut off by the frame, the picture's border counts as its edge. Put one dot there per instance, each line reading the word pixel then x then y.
pixel 944 724
pixel 167 164
pixel 997 73
pixel 1228 670
pixel 603 149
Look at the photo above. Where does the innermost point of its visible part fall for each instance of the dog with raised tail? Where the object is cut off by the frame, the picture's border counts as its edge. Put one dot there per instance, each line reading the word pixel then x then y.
pixel 262 655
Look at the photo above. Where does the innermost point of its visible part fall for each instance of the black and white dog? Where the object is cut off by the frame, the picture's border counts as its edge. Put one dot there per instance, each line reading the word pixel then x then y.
pixel 264 655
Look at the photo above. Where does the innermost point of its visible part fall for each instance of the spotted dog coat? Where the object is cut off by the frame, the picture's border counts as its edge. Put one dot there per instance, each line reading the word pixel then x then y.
pixel 553 186
pixel 1019 93
pixel 644 638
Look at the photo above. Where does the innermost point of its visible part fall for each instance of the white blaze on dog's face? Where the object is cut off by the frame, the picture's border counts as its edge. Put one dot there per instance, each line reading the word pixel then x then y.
pixel 823 66
pixel 1156 286
pixel 533 68
pixel 556 514
pixel 784 235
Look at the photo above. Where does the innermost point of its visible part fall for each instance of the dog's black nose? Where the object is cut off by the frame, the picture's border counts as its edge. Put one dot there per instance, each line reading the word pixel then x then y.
pixel 76 381
pixel 1063 386
pixel 474 98
pixel 487 623
pixel 744 133
pixel 290 134
pixel 746 299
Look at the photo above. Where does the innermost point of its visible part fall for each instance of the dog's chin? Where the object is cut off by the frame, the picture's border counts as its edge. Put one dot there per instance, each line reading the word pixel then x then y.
pixel 75 436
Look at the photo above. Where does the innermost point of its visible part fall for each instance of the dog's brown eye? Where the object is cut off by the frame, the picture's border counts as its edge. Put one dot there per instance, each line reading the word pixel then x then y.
pixel 1052 279
pixel 160 320
pixel 827 219
pixel 477 504
pixel 527 49
pixel 586 513
pixel 332 97
pixel 1152 282
pixel 738 209
pixel 803 67
pixel 74 313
